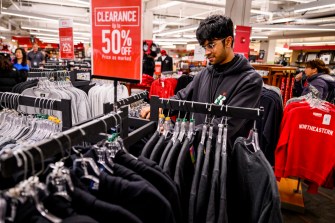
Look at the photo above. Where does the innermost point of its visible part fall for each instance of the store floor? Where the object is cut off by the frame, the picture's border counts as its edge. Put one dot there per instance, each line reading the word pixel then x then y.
pixel 319 208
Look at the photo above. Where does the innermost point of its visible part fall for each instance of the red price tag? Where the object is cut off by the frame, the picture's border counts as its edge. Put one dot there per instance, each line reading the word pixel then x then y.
pixel 116 39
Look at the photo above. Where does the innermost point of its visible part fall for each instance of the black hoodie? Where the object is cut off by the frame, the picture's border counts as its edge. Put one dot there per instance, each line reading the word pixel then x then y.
pixel 237 80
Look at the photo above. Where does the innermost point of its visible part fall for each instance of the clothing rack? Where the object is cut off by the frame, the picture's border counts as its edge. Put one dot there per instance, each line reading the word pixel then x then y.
pixel 80 77
pixel 48 73
pixel 142 126
pixel 63 105
pixel 108 107
pixel 205 108
pixel 61 144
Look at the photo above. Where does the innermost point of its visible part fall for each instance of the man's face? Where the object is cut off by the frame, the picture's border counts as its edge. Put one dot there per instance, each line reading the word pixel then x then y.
pixel 35 48
pixel 215 51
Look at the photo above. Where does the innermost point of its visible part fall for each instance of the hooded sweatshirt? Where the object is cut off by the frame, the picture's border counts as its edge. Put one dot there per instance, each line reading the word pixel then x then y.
pixel 238 83
pixel 324 83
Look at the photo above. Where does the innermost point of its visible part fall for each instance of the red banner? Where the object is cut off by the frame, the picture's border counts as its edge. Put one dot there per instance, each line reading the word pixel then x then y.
pixel 66 49
pixel 116 39
pixel 242 40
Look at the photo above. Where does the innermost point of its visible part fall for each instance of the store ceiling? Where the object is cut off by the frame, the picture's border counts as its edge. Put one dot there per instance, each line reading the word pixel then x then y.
pixel 173 15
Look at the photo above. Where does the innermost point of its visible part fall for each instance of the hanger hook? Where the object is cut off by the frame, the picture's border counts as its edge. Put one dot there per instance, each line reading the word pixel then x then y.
pixel 42 159
pixel 60 145
pixel 25 162
pixel 31 160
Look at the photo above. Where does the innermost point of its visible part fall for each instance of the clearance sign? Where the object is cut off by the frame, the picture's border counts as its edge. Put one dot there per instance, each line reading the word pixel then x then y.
pixel 66 49
pixel 116 39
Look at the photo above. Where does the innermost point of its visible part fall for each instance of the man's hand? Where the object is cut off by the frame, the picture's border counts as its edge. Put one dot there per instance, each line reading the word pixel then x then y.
pixel 145 112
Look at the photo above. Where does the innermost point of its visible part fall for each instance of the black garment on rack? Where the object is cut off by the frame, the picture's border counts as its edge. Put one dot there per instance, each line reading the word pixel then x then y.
pixel 149 146
pixel 171 160
pixel 165 153
pixel 137 197
pixel 159 148
pixel 155 177
pixel 195 182
pixel 269 126
pixel 204 183
pixel 155 166
pixel 252 193
pixel 214 196
pixel 27 213
pixel 184 175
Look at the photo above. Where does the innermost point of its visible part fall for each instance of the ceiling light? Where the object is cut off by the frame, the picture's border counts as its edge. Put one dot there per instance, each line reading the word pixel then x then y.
pixel 175 40
pixel 175 43
pixel 261 12
pixel 314 5
pixel 292 27
pixel 39 29
pixel 28 15
pixel 54 30
pixel 180 30
pixel 83 2
pixel 313 43
pixel 38 16
pixel 165 6
pixel 258 37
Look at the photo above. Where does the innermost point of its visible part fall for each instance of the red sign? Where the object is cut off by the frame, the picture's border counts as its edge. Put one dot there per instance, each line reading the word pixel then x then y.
pixel 242 40
pixel 116 39
pixel 66 49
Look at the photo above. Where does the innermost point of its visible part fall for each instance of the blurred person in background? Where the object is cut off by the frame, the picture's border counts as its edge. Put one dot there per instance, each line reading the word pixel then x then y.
pixel 20 60
pixel 316 74
pixel 9 75
pixel 35 57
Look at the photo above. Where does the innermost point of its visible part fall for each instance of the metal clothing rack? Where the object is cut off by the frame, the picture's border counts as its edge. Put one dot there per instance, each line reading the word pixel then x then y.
pixel 48 73
pixel 205 108
pixel 60 144
pixel 143 127
pixel 108 107
pixel 63 105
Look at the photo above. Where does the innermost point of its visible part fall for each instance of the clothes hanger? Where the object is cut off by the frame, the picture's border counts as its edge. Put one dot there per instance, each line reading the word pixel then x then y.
pixel 253 136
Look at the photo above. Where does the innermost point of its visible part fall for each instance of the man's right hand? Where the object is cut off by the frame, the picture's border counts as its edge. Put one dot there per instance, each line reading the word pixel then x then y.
pixel 145 112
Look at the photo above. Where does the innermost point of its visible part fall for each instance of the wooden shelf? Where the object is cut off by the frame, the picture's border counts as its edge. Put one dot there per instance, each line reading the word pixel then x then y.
pixel 289 197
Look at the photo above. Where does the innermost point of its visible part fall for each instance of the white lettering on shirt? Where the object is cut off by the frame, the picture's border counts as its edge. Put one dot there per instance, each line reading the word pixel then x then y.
pixel 316 129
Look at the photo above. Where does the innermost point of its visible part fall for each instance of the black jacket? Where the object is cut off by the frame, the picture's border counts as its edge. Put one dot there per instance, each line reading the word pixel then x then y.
pixel 237 81
pixel 9 78
pixel 252 193
pixel 167 63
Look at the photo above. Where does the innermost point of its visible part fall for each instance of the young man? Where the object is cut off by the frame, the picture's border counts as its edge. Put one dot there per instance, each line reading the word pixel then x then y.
pixel 35 57
pixel 229 80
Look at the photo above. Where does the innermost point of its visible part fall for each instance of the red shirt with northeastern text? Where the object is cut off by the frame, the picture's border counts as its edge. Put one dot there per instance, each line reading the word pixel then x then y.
pixel 306 147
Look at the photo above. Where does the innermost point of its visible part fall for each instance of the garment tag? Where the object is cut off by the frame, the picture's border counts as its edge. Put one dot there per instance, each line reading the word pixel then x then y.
pixel 326 119
pixel 35 63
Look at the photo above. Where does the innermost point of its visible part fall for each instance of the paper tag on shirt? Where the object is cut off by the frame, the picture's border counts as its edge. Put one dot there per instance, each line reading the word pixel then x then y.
pixel 326 119
pixel 35 63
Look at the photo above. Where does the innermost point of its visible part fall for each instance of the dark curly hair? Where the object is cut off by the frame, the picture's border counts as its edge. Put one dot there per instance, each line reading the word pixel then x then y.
pixel 5 63
pixel 319 65
pixel 214 27
pixel 24 57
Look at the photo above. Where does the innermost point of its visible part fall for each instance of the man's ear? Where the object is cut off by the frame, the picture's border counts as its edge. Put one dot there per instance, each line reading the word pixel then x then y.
pixel 229 42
